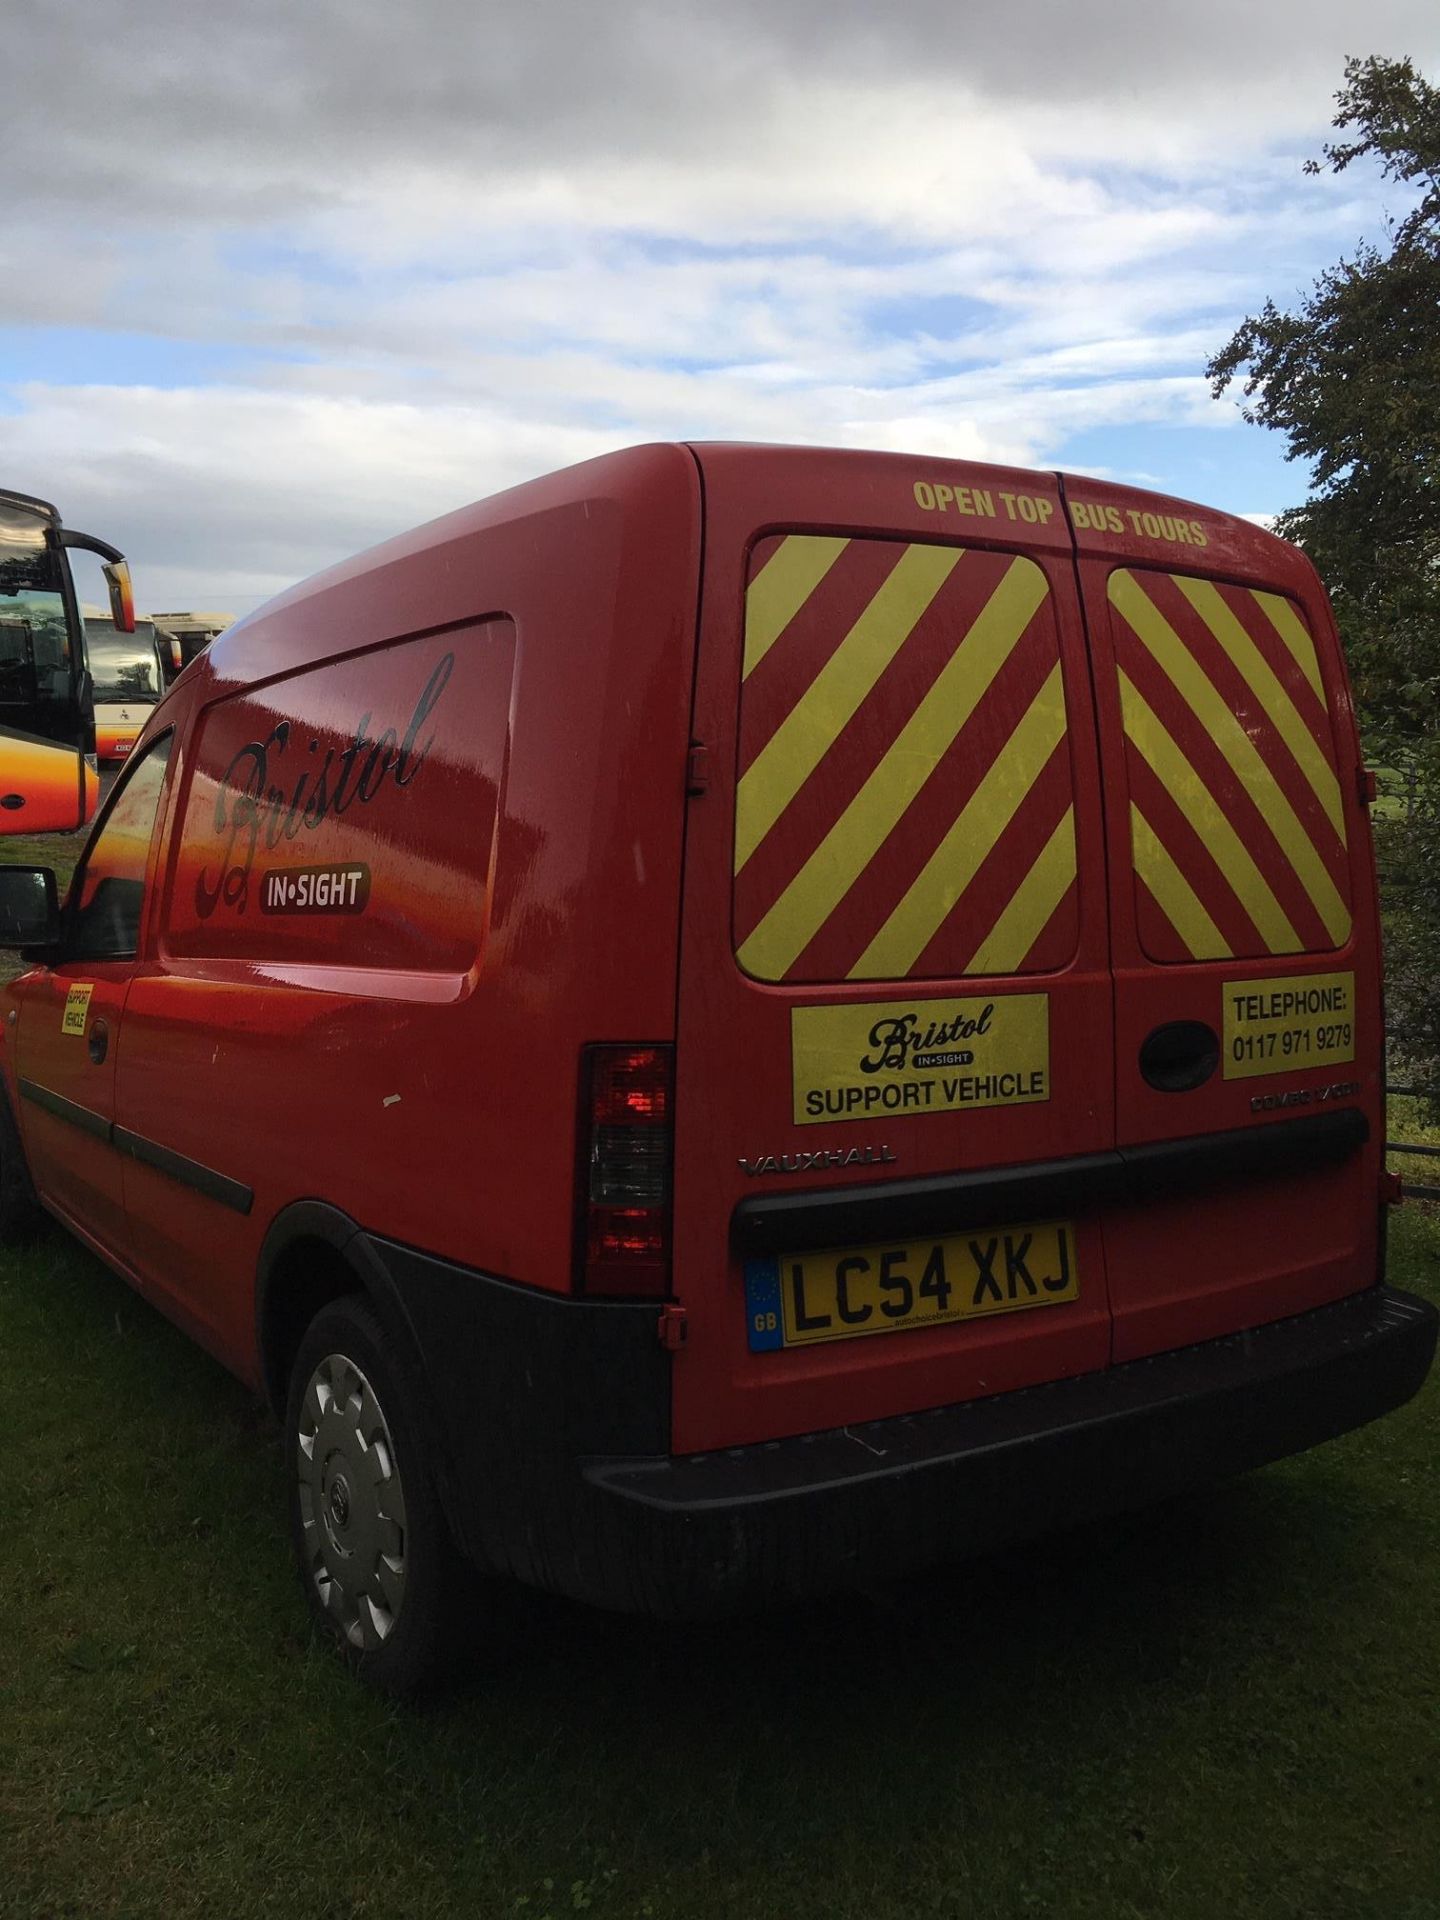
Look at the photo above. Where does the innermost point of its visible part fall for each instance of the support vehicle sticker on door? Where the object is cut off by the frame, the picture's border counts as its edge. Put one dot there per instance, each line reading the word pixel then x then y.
pixel 922 1056
pixel 1274 1025
pixel 77 1004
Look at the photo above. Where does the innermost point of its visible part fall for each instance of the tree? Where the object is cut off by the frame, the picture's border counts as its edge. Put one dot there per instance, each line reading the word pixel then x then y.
pixel 1351 377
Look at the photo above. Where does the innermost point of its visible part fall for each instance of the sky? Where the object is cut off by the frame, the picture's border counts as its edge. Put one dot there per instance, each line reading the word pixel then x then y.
pixel 281 281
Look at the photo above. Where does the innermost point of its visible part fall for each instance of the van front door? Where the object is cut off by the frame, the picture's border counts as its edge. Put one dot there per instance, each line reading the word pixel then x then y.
pixel 68 1023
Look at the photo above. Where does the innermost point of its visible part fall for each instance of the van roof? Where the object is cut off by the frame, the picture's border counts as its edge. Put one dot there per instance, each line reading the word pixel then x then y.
pixel 240 653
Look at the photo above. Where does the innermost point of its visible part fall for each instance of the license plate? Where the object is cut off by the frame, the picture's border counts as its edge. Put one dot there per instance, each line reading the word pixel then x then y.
pixel 800 1299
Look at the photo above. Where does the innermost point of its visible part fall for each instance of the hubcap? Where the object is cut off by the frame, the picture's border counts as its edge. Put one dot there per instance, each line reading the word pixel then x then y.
pixel 352 1503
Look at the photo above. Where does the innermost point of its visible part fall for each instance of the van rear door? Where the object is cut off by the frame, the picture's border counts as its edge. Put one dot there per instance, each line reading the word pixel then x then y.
pixel 1244 924
pixel 894 961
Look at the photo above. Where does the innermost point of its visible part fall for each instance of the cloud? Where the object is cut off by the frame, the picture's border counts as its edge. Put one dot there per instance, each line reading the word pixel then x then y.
pixel 270 111
pixel 223 496
pixel 435 250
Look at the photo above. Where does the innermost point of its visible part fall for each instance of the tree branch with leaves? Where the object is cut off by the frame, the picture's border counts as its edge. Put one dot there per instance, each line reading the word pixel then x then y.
pixel 1351 377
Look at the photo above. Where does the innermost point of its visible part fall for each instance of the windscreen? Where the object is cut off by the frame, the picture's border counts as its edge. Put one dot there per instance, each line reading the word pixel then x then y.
pixel 124 666
pixel 35 664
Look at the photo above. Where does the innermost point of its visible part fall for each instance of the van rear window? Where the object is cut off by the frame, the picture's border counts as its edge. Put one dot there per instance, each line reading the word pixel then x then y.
pixel 1237 825
pixel 904 803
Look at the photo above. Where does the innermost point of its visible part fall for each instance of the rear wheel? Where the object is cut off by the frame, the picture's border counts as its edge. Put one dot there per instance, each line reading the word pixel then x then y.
pixel 375 1555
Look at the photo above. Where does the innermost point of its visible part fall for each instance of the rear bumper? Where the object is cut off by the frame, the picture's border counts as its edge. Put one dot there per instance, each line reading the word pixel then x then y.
pixel 717 1533
pixel 552 1435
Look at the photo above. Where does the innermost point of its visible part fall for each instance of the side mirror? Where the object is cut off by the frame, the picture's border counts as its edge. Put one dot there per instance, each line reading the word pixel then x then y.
pixel 29 907
pixel 117 575
pixel 122 595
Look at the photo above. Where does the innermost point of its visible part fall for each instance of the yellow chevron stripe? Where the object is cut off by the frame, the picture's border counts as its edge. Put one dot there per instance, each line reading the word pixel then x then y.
pixel 917 916
pixel 1039 894
pixel 855 838
pixel 793 751
pixel 1280 709
pixel 781 588
pixel 1215 716
pixel 1194 799
pixel 1173 893
pixel 1281 614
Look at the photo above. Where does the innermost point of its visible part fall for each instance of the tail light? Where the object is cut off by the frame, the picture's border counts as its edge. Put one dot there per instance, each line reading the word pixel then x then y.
pixel 177 658
pixel 624 1183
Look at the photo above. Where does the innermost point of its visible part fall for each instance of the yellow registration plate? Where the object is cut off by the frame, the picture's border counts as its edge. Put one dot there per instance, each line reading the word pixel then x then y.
pixel 797 1299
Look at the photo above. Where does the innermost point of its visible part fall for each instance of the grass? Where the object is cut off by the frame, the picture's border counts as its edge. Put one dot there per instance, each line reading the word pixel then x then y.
pixel 58 851
pixel 1230 1706
pixel 1409 1121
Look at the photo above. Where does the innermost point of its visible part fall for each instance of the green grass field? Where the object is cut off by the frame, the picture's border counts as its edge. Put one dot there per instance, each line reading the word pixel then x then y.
pixel 58 851
pixel 1409 1122
pixel 1228 1707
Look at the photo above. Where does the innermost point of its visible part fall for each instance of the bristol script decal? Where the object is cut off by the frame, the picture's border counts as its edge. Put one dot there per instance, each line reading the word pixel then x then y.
pixel 251 801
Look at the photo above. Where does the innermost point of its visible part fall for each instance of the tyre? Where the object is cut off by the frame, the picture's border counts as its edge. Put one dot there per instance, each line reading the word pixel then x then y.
pixel 19 1210
pixel 374 1551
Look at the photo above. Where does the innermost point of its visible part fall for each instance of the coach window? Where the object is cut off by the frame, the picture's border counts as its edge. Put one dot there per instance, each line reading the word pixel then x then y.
pixel 109 891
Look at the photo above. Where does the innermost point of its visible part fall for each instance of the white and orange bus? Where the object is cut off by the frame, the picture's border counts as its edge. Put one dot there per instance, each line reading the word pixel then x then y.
pixel 48 778
pixel 126 670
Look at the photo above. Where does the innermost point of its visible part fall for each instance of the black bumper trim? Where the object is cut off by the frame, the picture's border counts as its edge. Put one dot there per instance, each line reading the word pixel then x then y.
pixel 715 1533
pixel 947 1203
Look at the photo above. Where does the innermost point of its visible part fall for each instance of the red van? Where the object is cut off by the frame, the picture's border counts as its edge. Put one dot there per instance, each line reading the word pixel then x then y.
pixel 736 1017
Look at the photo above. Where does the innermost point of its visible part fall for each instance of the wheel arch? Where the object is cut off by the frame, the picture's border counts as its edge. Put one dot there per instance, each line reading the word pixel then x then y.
pixel 312 1254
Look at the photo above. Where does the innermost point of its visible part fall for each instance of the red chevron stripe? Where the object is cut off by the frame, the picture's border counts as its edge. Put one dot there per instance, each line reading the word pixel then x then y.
pixel 915 836
pixel 1195 859
pixel 1215 774
pixel 972 919
pixel 802 649
pixel 1233 688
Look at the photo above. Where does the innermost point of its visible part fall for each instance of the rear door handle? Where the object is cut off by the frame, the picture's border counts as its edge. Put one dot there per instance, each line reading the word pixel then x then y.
pixel 98 1040
pixel 1179 1056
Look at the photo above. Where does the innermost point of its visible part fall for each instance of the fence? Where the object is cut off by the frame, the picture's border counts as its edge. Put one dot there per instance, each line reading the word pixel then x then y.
pixel 1398 793
pixel 1415 1146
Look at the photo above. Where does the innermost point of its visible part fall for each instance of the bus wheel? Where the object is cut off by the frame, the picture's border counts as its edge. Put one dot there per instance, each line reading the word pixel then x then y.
pixel 375 1556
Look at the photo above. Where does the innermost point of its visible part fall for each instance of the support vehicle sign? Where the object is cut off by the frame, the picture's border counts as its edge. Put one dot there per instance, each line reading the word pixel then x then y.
pixel 923 1056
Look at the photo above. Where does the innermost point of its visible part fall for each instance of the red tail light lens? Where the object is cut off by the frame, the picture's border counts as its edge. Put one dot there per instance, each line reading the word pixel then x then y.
pixel 625 1171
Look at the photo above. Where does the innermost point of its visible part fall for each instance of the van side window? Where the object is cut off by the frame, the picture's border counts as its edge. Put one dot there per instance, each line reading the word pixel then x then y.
pixel 110 887
pixel 346 815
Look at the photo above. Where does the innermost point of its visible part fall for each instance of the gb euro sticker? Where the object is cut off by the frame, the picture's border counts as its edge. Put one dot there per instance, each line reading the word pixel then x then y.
pixel 922 1056
pixel 77 1003
pixel 1272 1026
